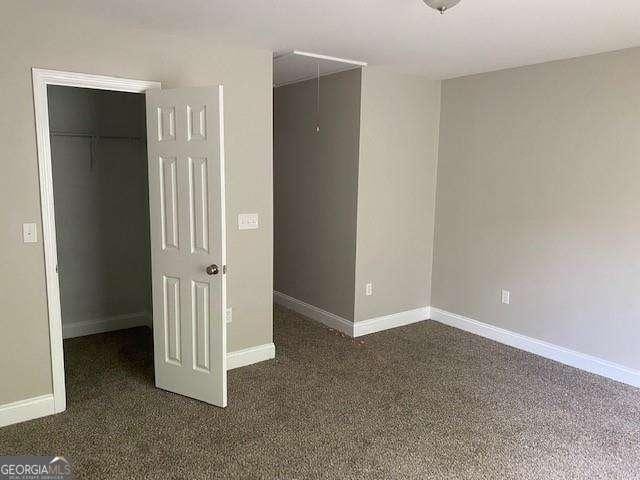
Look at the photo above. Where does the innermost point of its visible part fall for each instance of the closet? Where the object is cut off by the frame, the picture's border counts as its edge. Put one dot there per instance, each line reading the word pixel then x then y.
pixel 99 168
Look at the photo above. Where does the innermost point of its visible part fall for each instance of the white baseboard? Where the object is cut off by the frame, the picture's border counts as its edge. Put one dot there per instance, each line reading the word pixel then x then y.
pixel 249 356
pixel 108 324
pixel 563 355
pixel 28 409
pixel 348 327
pixel 329 319
pixel 394 320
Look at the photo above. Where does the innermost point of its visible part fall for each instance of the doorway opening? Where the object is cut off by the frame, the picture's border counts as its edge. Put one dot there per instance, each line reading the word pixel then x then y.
pixel 42 81
pixel 316 125
pixel 176 219
pixel 101 194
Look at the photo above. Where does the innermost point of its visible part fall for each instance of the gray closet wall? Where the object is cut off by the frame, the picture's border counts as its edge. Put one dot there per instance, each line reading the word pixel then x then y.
pixel 316 190
pixel 101 203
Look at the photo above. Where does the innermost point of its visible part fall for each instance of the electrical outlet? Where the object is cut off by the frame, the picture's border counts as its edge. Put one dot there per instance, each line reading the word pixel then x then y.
pixel 29 233
pixel 368 290
pixel 229 315
pixel 506 297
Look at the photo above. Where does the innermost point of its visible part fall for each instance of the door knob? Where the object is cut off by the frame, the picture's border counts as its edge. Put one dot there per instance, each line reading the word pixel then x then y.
pixel 213 269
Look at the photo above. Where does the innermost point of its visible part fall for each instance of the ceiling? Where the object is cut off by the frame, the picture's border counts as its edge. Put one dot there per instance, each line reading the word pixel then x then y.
pixel 405 35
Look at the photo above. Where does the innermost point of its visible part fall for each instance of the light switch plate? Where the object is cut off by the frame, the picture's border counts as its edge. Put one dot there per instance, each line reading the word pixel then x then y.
pixel 29 233
pixel 506 297
pixel 248 221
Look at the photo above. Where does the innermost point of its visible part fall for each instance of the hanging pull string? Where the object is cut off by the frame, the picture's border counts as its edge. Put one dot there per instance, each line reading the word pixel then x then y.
pixel 318 98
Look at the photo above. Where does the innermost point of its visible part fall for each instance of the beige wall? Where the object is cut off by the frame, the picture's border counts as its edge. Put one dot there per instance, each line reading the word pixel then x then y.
pixel 36 37
pixel 315 191
pixel 396 192
pixel 538 193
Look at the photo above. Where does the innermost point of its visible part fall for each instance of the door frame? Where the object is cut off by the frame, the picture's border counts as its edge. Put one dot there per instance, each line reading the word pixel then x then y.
pixel 41 79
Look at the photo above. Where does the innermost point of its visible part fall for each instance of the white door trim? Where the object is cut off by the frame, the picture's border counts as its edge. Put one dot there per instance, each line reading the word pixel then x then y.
pixel 41 79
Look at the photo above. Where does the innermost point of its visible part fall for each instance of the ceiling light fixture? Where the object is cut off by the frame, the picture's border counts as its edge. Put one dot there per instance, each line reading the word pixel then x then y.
pixel 441 5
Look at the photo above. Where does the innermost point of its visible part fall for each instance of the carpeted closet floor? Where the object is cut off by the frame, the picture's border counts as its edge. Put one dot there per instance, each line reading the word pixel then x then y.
pixel 419 402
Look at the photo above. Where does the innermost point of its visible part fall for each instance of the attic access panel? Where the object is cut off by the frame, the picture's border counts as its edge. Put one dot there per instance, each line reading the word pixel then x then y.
pixel 297 66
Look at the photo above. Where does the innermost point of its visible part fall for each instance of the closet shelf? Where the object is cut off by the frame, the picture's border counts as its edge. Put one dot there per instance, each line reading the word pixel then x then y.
pixel 93 141
pixel 91 135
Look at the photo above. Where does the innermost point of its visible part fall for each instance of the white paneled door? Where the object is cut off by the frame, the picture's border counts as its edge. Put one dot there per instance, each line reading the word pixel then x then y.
pixel 186 197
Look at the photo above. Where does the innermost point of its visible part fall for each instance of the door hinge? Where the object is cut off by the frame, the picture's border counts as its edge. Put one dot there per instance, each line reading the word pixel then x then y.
pixel 224 269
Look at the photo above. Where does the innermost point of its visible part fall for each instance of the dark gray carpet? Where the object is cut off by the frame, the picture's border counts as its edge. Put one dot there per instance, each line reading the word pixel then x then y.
pixel 419 402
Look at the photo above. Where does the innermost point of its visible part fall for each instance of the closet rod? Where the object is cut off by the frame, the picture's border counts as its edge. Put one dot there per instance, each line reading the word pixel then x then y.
pixel 90 135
